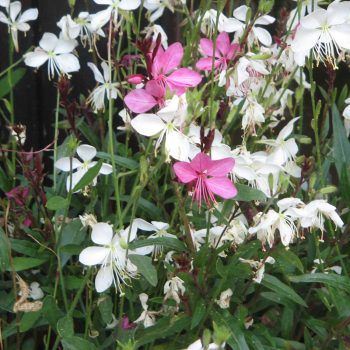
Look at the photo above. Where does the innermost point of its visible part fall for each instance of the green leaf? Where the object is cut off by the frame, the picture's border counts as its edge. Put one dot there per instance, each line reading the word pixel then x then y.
pixel 51 312
pixel 77 343
pixel 24 247
pixel 167 242
pixel 21 263
pixel 28 320
pixel 89 177
pixel 105 306
pixel 122 161
pixel 145 267
pixel 56 203
pixel 274 284
pixel 198 314
pixel 287 260
pixel 332 280
pixel 341 144
pixel 5 86
pixel 65 327
pixel 248 194
pixel 237 339
pixel 5 251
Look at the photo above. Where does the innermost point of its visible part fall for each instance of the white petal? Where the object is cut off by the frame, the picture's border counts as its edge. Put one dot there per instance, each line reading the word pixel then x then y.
pixel 65 46
pixel 287 130
pixel 106 169
pixel 286 233
pixel 341 35
pixel 64 164
pixel 29 15
pixel 105 69
pixel 104 279
pixel 314 20
pixel 98 76
pixel 99 19
pixel 160 225
pixel 305 39
pixel 86 152
pixel 177 145
pixel 232 25
pixel 148 124
pixel 102 233
pixel 3 18
pixel 36 59
pixel 104 2
pixel 241 12
pixel 129 4
pixel 14 10
pixel 144 225
pixel 263 36
pixel 67 63
pixel 93 255
pixel 23 27
pixel 143 250
pixel 48 42
pixel 265 20
pixel 5 3
pixel 76 177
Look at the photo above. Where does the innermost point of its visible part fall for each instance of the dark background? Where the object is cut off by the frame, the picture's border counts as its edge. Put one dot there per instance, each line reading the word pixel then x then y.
pixel 35 95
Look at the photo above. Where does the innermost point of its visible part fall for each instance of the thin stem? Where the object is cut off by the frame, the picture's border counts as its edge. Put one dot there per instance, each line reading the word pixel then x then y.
pixel 57 111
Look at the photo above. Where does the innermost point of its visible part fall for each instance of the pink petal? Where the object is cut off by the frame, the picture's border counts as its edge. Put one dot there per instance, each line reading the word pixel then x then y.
pixel 207 64
pixel 207 47
pixel 183 78
pixel 221 167
pixel 201 162
pixel 185 172
pixel 139 101
pixel 221 186
pixel 155 89
pixel 170 59
pixel 223 43
pixel 234 50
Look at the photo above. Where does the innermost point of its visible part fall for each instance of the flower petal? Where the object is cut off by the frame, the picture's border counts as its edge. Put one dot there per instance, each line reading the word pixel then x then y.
pixel 102 233
pixel 207 47
pixel 221 186
pixel 263 36
pixel 93 255
pixel 86 152
pixel 221 167
pixel 183 78
pixel 29 15
pixel 104 278
pixel 148 124
pixel 129 4
pixel 305 39
pixel 14 10
pixel 168 60
pixel 106 169
pixel 340 35
pixel 207 64
pixel 67 62
pixel 65 46
pixel 201 162
pixel 139 101
pixel 185 172
pixel 177 145
pixel 48 42
pixel 64 164
pixel 241 13
pixel 36 59
pixel 223 43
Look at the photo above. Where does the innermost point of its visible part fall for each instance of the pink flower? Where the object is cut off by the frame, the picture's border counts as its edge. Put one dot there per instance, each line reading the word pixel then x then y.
pixel 126 324
pixel 224 53
pixel 208 177
pixel 142 100
pixel 19 194
pixel 165 73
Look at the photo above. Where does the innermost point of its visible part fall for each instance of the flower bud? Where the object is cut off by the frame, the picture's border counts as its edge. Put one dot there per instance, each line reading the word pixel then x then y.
pixel 328 189
pixel 136 79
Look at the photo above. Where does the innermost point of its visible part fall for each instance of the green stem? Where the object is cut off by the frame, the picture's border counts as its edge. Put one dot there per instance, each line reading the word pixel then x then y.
pixel 57 112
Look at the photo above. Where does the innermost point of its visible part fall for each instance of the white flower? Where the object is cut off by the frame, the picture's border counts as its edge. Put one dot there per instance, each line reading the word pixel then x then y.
pixel 35 292
pixel 312 215
pixel 306 7
pixel 197 345
pixel 272 221
pixel 237 24
pixel 160 229
pixel 337 269
pixel 147 317
pixel 259 267
pixel 282 150
pixel 79 27
pixel 213 237
pixel 325 32
pixel 225 297
pixel 253 113
pixel 155 30
pixel 208 22
pixel 15 20
pixel 346 115
pixel 157 7
pixel 111 254
pixel 86 153
pixel 166 122
pixel 106 89
pixel 173 288
pixel 58 53
pixel 99 19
